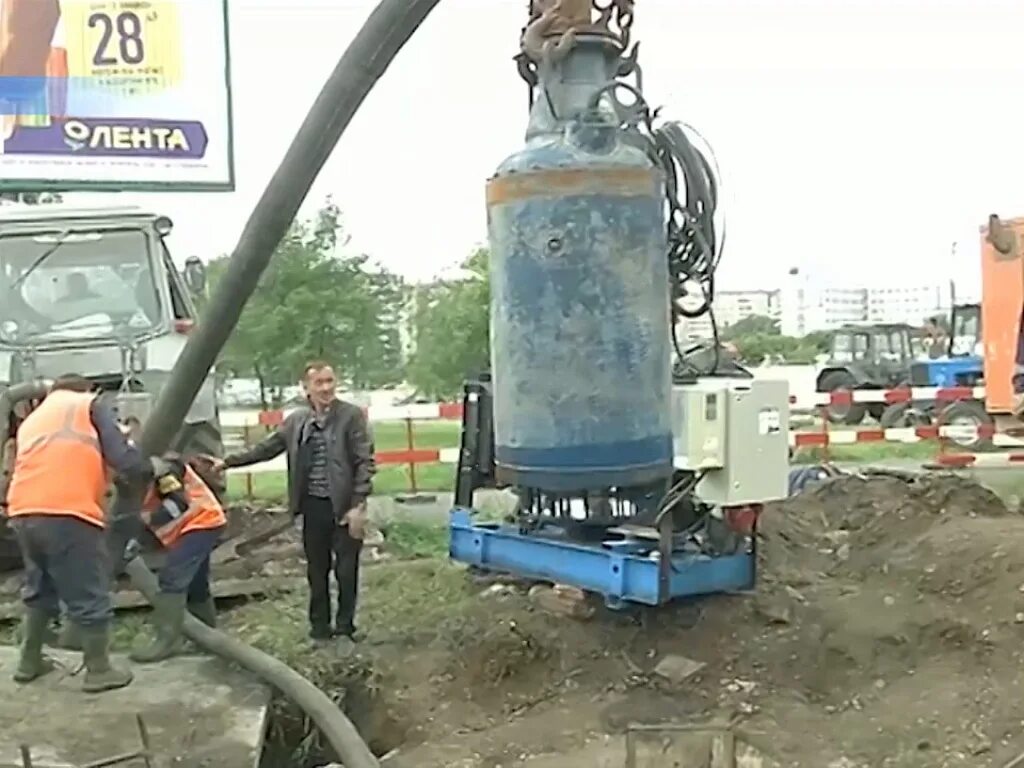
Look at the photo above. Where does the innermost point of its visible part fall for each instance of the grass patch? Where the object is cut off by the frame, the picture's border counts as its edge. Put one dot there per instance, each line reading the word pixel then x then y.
pixel 392 435
pixel 390 479
pixel 272 486
pixel 402 601
pixel 408 540
pixel 866 452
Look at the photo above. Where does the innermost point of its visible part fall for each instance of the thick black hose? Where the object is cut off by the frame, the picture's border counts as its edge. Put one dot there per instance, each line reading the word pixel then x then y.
pixel 383 35
pixel 387 29
pixel 338 729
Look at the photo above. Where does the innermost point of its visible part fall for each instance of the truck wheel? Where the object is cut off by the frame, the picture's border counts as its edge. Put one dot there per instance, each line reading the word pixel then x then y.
pixel 903 415
pixel 842 381
pixel 967 413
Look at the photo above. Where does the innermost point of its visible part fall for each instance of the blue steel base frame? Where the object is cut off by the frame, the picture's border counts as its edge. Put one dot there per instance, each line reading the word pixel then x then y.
pixel 622 571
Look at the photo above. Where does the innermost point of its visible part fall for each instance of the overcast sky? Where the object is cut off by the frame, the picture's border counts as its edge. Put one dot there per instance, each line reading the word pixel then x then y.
pixel 858 136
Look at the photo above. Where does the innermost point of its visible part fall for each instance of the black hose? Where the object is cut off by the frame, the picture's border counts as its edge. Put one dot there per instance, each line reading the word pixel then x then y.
pixel 342 735
pixel 383 35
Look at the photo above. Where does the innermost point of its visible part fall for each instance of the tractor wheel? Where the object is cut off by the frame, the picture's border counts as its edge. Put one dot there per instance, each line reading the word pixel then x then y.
pixel 967 413
pixel 842 381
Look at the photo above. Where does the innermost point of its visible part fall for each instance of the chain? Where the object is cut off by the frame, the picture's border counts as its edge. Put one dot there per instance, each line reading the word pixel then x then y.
pixel 615 18
pixel 553 25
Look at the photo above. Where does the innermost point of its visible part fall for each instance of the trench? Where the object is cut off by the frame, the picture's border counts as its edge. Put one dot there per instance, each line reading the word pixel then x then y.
pixel 292 741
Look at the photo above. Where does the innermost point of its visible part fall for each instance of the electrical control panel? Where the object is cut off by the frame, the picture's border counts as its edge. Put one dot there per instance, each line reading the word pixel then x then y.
pixel 734 433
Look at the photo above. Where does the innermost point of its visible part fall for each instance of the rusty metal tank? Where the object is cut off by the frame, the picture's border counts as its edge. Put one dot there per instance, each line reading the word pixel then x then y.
pixel 580 304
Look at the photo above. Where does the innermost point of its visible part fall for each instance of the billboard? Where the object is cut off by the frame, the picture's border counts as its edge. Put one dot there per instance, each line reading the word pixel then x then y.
pixel 107 95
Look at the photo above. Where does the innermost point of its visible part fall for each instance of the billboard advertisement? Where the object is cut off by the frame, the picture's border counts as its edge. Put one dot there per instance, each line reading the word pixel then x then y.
pixel 115 94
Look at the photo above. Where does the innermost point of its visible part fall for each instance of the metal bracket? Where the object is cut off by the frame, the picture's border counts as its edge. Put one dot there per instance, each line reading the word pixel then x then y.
pixel 145 754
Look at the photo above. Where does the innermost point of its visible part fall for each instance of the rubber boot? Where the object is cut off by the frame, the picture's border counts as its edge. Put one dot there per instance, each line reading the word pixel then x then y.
pixel 100 675
pixel 169 617
pixel 70 637
pixel 33 664
pixel 206 611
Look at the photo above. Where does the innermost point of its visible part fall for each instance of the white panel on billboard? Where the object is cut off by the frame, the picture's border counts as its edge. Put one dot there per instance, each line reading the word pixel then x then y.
pixel 115 94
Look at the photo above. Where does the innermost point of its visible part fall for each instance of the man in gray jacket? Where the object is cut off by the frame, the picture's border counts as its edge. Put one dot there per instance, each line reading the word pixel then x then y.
pixel 330 475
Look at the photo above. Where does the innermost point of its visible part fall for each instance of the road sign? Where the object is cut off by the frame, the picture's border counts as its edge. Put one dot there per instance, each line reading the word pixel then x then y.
pixel 106 94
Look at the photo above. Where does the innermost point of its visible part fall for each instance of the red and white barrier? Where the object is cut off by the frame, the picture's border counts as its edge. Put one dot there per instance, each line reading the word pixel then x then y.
pixel 384 458
pixel 415 411
pixel 980 460
pixel 903 435
pixel 797 439
pixel 453 411
pixel 888 396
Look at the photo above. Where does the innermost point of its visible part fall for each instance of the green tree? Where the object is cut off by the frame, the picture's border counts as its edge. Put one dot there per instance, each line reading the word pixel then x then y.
pixel 751 326
pixel 451 324
pixel 315 300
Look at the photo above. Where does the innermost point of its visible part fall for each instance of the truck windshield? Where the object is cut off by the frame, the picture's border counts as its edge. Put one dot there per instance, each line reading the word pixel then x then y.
pixel 74 285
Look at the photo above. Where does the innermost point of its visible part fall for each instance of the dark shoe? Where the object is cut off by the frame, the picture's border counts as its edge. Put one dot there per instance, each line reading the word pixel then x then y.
pixel 33 664
pixel 205 611
pixel 100 675
pixel 169 618
pixel 320 633
pixel 349 632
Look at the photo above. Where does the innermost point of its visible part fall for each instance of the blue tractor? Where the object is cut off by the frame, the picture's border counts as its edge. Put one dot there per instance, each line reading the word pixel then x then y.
pixel 961 365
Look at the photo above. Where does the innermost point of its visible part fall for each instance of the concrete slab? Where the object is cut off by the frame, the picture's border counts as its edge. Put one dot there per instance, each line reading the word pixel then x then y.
pixel 198 711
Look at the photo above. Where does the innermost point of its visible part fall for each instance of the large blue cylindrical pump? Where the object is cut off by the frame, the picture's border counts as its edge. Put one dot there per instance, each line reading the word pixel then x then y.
pixel 580 305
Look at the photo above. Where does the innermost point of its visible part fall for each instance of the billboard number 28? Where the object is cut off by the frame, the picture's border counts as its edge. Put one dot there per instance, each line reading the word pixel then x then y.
pixel 127 28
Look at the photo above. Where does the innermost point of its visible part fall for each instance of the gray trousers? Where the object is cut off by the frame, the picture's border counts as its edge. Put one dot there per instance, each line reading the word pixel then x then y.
pixel 66 562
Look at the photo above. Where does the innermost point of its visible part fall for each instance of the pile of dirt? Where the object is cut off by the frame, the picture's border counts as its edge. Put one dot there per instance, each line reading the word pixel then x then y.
pixel 886 631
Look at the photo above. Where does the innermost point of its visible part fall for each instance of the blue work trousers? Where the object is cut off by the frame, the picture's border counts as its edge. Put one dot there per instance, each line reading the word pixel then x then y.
pixel 66 561
pixel 187 569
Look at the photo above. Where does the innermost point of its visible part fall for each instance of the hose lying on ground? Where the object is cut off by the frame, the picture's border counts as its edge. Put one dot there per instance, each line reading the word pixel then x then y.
pixel 382 36
pixel 338 729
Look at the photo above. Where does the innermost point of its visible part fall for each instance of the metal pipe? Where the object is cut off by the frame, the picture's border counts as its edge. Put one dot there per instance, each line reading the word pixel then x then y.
pixel 383 35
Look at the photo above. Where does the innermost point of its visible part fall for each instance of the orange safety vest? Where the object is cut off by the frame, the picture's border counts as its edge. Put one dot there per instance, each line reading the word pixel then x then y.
pixel 58 465
pixel 204 512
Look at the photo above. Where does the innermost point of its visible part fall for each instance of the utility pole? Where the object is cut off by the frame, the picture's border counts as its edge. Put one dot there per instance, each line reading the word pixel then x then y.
pixel 952 274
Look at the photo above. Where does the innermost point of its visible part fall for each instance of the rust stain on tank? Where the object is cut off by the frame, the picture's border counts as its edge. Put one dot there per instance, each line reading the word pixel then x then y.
pixel 625 182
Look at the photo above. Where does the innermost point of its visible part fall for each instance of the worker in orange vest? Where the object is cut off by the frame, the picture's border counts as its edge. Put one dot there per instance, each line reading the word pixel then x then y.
pixel 64 452
pixel 184 515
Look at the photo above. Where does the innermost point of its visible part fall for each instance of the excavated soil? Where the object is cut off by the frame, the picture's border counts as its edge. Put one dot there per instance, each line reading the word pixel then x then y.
pixel 886 631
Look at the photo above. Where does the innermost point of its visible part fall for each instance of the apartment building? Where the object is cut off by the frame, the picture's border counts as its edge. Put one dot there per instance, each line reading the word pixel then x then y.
pixel 733 306
pixel 810 304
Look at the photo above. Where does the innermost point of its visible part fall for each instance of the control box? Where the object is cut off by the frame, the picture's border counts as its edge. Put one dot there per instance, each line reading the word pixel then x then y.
pixel 734 433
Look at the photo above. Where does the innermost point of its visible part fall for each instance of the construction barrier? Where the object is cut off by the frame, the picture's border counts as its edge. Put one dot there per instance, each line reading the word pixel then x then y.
pixel 253 424
pixel 947 437
pixel 250 426
pixel 887 396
